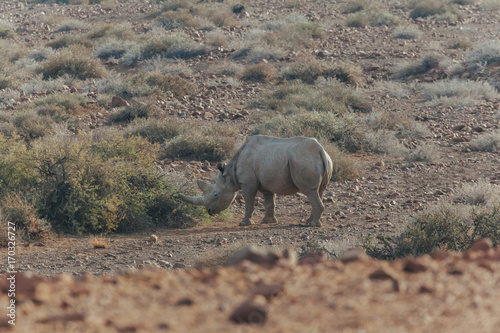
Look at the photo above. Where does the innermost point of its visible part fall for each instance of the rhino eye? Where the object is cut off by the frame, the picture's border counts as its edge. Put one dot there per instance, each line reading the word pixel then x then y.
pixel 215 194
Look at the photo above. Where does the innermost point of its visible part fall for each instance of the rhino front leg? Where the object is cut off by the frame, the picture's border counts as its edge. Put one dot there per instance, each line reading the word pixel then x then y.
pixel 249 195
pixel 269 204
pixel 317 208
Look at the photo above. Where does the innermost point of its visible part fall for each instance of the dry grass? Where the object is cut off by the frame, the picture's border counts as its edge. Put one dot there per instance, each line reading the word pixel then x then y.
pixel 261 72
pixel 99 242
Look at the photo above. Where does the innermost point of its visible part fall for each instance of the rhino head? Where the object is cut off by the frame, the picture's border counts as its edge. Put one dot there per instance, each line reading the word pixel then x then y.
pixel 216 197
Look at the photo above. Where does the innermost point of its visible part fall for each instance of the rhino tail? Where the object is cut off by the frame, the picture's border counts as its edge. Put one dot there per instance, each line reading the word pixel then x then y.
pixel 327 169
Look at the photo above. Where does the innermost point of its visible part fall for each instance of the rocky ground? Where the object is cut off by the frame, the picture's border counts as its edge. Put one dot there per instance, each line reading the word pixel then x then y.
pixel 441 293
pixel 268 292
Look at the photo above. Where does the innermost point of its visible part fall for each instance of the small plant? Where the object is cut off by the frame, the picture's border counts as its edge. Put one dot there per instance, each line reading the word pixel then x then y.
pixel 18 210
pixel 460 44
pixel 74 61
pixel 458 92
pixel 326 127
pixel 445 229
pixel 6 30
pixel 137 110
pixel 407 32
pixel 127 52
pixel 99 243
pixel 158 131
pixel 69 40
pixel 485 54
pixel 354 6
pixel 489 142
pixel 179 18
pixel 371 15
pixel 70 25
pixel 178 86
pixel 177 45
pixel 424 153
pixel 426 63
pixel 262 72
pixel 30 125
pixel 441 10
pixel 309 69
pixel 122 31
pixel 214 143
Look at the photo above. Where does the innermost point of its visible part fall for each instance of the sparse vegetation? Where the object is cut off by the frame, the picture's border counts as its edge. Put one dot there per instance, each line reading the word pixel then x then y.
pixel 485 54
pixel 440 10
pixel 212 143
pixel 74 61
pixel 472 213
pixel 489 142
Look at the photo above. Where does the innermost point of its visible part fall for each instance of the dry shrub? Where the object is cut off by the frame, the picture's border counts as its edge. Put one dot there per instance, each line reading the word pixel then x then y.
pixel 159 130
pixel 343 166
pixel 470 213
pixel 134 111
pixel 29 226
pixel 489 142
pixel 308 69
pixel 261 72
pixel 179 18
pixel 120 31
pixel 178 86
pixel 75 61
pixel 440 10
pixel 99 243
pixel 212 143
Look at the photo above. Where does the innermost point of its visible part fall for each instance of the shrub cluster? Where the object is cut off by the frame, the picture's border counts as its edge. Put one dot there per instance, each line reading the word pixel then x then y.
pixel 471 212
pixel 94 183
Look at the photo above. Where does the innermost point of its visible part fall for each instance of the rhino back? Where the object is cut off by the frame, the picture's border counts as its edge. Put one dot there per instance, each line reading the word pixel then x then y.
pixel 279 165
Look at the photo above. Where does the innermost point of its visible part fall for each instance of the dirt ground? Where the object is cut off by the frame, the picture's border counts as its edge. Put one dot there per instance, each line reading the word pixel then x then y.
pixel 135 285
pixel 443 292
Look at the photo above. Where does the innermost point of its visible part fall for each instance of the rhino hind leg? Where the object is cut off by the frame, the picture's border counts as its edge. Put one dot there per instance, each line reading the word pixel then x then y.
pixel 269 205
pixel 317 208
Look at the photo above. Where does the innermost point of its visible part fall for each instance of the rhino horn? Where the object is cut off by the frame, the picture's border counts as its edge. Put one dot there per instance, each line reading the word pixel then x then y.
pixel 198 201
pixel 204 186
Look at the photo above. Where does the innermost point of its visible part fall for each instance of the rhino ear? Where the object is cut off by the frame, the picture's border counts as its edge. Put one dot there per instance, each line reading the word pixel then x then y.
pixel 204 186
pixel 221 166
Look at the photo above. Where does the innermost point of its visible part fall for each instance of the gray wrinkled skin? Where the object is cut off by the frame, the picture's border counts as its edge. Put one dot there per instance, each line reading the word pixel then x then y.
pixel 272 166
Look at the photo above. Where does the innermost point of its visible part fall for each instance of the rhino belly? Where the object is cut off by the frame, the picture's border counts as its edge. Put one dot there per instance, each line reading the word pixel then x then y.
pixel 279 186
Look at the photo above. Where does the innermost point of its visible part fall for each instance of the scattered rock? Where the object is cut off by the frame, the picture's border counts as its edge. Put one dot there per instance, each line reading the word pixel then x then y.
pixel 256 255
pixel 313 258
pixel 249 313
pixel 268 290
pixel 354 254
pixel 411 265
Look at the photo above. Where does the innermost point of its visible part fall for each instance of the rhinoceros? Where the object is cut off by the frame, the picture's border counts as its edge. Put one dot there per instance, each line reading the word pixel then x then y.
pixel 272 166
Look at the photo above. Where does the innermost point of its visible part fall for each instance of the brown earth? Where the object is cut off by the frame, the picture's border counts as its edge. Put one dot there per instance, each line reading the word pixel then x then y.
pixel 443 292
pixel 452 294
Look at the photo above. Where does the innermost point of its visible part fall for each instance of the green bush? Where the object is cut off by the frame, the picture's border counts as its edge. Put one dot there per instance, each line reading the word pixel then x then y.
pixel 95 183
pixel 446 230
